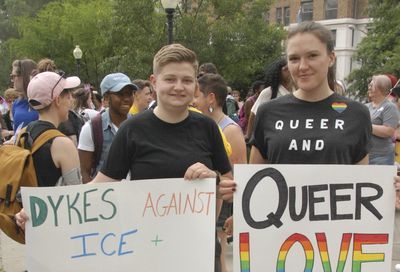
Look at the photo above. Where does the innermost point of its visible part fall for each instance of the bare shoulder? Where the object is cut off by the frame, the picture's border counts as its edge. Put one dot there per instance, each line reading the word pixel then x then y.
pixel 62 144
pixel 64 153
pixel 234 130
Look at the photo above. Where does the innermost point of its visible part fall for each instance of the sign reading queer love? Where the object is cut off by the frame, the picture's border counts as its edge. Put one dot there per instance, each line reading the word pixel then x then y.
pixel 149 226
pixel 313 218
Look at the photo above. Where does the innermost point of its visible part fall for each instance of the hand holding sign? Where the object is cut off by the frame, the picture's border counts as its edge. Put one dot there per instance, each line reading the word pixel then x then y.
pixel 199 171
pixel 21 218
pixel 121 226
pixel 226 189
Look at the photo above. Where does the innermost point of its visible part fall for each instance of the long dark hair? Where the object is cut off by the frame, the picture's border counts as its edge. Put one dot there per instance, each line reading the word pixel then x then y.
pixel 273 76
pixel 325 36
pixel 24 68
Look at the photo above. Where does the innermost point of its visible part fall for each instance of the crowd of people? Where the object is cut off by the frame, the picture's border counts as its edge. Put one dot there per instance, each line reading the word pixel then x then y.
pixel 185 121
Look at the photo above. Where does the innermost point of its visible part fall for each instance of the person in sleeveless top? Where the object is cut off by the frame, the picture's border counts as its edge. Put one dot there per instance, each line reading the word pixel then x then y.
pixel 210 100
pixel 57 161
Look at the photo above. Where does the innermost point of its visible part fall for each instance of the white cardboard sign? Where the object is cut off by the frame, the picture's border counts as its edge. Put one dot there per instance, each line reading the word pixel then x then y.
pixel 321 218
pixel 149 226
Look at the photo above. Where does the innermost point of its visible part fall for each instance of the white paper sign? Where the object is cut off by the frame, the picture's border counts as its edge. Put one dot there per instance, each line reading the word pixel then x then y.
pixel 149 226
pixel 321 218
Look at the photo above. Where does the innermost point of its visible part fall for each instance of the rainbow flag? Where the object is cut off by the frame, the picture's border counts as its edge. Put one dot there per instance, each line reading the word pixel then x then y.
pixel 244 247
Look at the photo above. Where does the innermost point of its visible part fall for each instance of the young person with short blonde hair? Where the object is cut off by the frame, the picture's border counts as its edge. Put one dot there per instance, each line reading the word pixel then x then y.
pixel 170 141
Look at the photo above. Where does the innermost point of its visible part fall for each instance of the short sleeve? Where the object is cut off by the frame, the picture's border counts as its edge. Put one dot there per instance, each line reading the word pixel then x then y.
pixel 257 139
pixel 86 138
pixel 264 96
pixel 365 143
pixel 390 115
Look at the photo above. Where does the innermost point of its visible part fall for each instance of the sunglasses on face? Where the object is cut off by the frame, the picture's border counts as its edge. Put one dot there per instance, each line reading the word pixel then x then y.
pixel 19 69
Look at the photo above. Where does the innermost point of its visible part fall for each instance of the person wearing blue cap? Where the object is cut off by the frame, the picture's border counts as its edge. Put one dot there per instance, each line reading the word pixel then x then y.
pixel 93 145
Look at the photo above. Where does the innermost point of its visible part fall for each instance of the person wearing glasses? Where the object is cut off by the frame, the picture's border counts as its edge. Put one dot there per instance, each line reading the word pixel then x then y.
pixel 20 76
pixel 385 120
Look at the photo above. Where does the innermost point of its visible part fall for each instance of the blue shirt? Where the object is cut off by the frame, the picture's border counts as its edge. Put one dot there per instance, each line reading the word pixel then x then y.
pixel 108 136
pixel 22 113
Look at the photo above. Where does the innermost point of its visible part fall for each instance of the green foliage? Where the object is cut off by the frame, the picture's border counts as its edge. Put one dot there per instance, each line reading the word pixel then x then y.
pixel 235 37
pixel 57 28
pixel 379 52
pixel 124 35
pixel 10 10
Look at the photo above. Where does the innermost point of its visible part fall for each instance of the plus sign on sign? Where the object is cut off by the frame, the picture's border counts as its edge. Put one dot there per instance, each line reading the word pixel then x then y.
pixel 117 226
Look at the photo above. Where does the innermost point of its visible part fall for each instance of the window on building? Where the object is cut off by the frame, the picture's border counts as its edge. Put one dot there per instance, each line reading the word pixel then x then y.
pixel 333 31
pixel 278 15
pixel 287 16
pixel 331 7
pixel 307 10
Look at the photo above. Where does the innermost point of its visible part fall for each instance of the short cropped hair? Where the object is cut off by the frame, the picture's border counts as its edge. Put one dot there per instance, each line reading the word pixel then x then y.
pixel 142 84
pixel 216 84
pixel 383 83
pixel 174 53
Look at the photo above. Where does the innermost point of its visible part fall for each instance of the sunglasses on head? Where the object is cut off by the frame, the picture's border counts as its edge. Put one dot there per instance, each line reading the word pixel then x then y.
pixel 62 73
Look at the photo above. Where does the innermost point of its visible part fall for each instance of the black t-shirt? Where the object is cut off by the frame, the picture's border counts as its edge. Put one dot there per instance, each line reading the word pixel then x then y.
pixel 47 173
pixel 335 130
pixel 151 148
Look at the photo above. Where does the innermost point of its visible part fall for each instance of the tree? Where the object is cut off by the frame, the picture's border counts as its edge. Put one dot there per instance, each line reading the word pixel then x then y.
pixel 58 27
pixel 231 34
pixel 124 35
pixel 379 52
pixel 10 10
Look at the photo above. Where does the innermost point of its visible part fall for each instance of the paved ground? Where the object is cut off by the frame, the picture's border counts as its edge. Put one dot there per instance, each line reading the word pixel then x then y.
pixel 12 258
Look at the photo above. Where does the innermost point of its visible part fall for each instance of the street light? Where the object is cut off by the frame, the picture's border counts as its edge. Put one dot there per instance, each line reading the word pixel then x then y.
pixel 78 56
pixel 169 7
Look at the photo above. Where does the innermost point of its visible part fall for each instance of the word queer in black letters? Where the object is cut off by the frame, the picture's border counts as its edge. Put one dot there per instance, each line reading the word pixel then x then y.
pixel 309 200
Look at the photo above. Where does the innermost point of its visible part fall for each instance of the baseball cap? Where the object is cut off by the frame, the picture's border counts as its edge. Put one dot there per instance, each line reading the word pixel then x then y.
pixel 45 87
pixel 393 79
pixel 115 82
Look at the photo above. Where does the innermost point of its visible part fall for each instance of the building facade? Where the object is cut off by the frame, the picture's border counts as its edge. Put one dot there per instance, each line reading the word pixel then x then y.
pixel 347 19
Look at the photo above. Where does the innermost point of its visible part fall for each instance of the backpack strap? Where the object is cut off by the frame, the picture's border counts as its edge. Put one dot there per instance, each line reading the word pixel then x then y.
pixel 97 134
pixel 44 138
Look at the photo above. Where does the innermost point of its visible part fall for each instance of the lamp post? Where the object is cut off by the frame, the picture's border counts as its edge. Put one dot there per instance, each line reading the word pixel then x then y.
pixel 169 7
pixel 78 56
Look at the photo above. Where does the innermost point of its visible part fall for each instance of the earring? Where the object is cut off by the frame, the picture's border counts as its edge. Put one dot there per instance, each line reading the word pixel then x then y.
pixel 210 109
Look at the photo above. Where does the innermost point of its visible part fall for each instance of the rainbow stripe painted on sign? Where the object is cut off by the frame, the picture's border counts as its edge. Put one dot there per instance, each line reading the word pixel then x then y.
pixel 359 257
pixel 324 253
pixel 244 247
pixel 308 249
pixel 339 106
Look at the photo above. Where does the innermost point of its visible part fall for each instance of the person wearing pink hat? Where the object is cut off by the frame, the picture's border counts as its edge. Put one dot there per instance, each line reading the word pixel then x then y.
pixel 57 161
pixel 49 94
